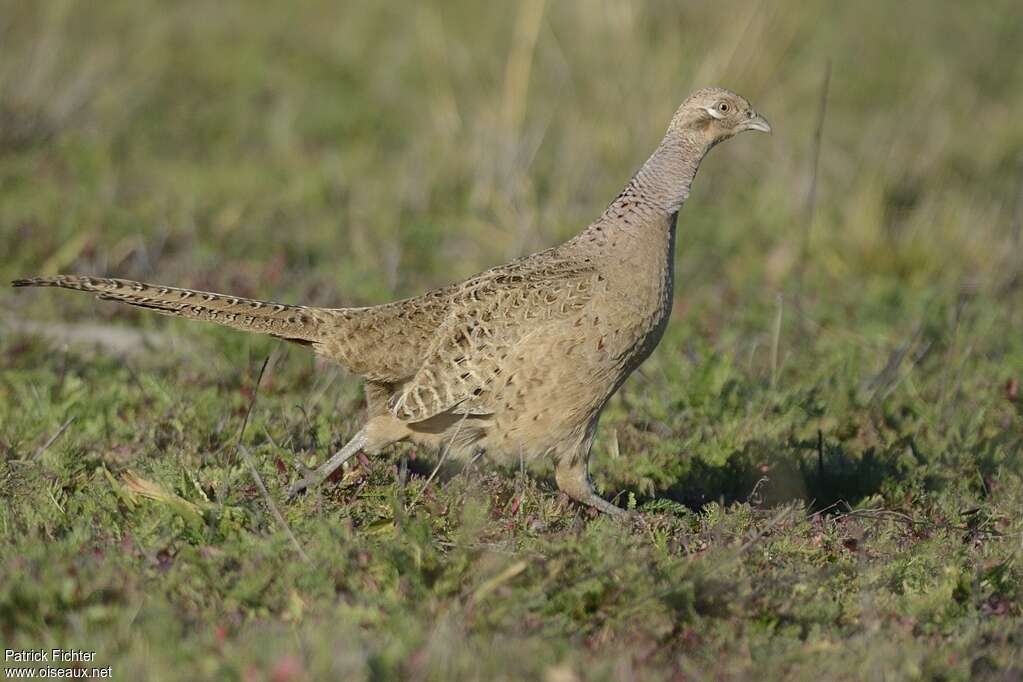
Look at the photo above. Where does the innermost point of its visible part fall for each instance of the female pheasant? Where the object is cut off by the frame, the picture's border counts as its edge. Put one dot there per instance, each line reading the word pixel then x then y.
pixel 519 360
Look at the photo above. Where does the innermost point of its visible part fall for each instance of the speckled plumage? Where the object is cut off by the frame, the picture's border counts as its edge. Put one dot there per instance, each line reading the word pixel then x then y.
pixel 519 360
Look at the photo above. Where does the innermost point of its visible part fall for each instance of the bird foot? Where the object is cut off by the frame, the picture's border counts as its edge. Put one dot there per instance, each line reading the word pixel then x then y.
pixel 309 478
pixel 600 504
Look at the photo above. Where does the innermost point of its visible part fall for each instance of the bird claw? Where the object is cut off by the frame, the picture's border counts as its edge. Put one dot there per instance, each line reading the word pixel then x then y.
pixel 308 479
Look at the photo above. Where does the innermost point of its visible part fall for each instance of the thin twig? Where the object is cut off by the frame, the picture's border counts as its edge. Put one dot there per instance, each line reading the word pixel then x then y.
pixel 1017 218
pixel 881 513
pixel 247 456
pixel 252 403
pixel 320 390
pixel 402 479
pixel 1015 269
pixel 754 497
pixel 779 518
pixel 820 454
pixel 825 510
pixel 811 196
pixel 440 462
pixel 477 455
pixel 886 381
pixel 52 439
pixel 776 340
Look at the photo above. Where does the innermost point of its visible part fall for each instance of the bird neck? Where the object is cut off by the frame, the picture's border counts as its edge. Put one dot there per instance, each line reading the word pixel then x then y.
pixel 661 185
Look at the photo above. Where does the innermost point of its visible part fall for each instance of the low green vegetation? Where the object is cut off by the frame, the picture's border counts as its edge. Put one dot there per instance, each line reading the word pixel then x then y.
pixel 825 449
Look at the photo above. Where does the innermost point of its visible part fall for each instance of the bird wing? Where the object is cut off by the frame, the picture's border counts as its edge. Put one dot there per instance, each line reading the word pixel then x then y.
pixel 489 316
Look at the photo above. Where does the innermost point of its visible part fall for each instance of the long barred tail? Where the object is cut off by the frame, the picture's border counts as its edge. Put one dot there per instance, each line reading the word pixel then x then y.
pixel 291 322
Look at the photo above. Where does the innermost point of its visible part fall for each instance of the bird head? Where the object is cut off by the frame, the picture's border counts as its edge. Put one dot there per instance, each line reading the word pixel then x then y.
pixel 712 115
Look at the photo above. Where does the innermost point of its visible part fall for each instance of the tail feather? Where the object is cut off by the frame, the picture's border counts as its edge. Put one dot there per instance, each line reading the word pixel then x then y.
pixel 292 322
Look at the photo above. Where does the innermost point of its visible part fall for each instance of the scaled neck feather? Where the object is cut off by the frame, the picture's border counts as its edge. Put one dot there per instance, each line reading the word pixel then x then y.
pixel 661 185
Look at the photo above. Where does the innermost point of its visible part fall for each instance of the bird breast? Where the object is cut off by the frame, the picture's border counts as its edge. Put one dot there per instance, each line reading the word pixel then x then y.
pixel 643 288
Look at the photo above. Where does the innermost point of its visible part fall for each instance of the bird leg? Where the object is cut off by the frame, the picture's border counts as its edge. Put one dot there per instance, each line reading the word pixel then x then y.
pixel 312 478
pixel 573 478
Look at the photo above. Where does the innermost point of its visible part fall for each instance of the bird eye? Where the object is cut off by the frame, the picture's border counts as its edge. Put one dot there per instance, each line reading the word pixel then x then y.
pixel 723 107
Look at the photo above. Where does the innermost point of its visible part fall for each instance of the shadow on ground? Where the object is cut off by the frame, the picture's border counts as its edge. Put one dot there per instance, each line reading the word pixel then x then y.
pixel 770 473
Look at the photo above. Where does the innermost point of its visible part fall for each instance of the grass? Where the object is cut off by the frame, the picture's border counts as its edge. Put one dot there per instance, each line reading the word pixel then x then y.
pixel 830 474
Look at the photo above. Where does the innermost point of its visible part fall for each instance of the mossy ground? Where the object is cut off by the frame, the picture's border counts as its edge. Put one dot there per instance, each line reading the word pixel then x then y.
pixel 826 447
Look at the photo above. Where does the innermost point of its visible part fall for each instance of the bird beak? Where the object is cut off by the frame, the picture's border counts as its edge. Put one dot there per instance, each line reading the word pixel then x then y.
pixel 759 123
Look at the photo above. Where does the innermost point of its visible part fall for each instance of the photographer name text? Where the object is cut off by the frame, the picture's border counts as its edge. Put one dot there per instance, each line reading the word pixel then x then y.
pixel 49 656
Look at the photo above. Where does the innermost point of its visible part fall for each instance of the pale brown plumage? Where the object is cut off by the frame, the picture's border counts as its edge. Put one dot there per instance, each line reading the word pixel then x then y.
pixel 519 360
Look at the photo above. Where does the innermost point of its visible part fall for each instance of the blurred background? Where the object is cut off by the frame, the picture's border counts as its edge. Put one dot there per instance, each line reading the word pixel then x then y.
pixel 347 153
